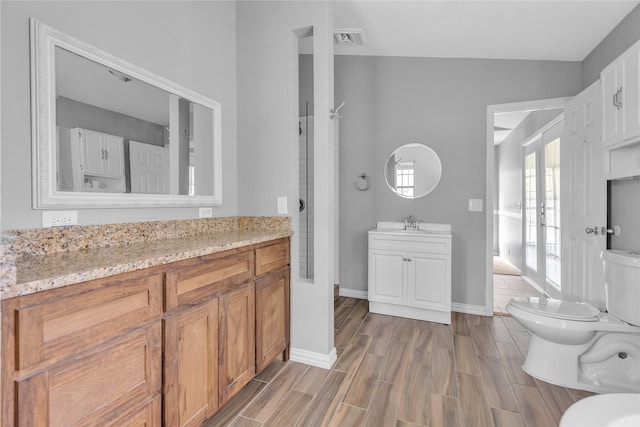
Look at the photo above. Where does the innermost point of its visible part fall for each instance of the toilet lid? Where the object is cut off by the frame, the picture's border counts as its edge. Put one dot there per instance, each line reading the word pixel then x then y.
pixel 570 310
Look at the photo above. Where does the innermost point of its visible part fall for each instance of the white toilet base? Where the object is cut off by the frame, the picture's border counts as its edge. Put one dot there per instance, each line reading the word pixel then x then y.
pixel 559 364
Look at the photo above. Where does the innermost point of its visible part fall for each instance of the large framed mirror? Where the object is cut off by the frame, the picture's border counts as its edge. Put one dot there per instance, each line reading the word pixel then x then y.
pixel 413 171
pixel 107 133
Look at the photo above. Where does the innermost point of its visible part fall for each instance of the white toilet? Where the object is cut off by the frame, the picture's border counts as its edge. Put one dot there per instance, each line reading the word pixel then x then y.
pixel 575 345
pixel 610 410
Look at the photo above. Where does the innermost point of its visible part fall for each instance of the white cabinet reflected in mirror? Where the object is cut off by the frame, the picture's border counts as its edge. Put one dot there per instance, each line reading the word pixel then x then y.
pixel 413 171
pixel 107 133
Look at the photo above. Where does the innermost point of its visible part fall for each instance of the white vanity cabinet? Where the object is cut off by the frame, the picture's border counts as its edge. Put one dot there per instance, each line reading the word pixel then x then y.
pixel 98 161
pixel 410 272
pixel 620 85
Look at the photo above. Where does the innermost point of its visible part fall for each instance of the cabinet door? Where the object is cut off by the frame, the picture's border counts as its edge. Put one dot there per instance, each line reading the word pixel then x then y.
pixel 95 388
pixel 428 281
pixel 191 365
pixel 113 156
pixel 237 340
pixel 272 317
pixel 630 67
pixel 386 277
pixel 92 152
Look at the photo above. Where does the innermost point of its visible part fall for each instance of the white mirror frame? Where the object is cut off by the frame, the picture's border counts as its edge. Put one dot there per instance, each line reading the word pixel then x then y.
pixel 44 40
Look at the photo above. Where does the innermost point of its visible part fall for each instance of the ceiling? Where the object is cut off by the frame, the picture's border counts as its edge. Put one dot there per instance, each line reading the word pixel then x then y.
pixel 536 30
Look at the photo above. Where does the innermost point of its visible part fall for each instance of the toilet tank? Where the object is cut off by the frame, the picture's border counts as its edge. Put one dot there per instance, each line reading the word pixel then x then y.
pixel 622 284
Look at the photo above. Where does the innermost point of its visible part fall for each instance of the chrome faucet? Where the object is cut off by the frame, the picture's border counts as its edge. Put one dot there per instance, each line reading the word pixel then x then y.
pixel 411 223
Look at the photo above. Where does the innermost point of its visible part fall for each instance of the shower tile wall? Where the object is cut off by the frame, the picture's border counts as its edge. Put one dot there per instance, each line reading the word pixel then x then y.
pixel 306 194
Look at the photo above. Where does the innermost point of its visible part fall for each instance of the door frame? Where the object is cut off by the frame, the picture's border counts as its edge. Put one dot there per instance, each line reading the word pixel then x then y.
pixel 540 104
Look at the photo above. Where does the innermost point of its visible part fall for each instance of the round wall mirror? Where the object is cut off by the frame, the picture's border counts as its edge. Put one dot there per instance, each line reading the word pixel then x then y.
pixel 413 171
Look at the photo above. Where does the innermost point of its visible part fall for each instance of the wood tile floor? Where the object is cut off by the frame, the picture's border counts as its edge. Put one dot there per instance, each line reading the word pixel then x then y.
pixel 405 373
pixel 506 287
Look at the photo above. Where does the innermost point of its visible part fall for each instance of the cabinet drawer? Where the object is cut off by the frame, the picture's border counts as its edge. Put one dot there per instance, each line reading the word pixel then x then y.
pixel 50 326
pixel 93 390
pixel 437 245
pixel 272 258
pixel 194 280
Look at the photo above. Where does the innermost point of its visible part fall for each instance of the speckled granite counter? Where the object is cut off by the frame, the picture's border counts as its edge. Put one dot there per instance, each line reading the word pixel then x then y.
pixel 37 271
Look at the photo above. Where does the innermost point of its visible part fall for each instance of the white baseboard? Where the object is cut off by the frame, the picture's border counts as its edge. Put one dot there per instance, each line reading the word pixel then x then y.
pixel 354 293
pixel 479 310
pixel 324 361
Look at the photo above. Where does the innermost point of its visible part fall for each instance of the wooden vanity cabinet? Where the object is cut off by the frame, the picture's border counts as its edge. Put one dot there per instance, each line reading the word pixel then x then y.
pixel 190 386
pixel 88 354
pixel 167 345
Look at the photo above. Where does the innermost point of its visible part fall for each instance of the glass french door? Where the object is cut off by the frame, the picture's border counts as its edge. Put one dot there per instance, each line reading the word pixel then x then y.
pixel 541 222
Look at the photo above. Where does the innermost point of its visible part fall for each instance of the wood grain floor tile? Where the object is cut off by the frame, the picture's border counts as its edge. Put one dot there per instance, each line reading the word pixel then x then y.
pixel 406 373
pixel 361 388
pixel 382 411
pixel 498 330
pixel 244 422
pixel 416 394
pixel 558 399
pixel 268 400
pixel 502 418
pixel 465 356
pixel 312 380
pixel 497 386
pixel 348 416
pixel 346 332
pixel 473 405
pixel 483 341
pixel 381 338
pixel 521 340
pixel 325 402
pixel 442 337
pixel 271 371
pixel 370 324
pixel 236 405
pixel 513 361
pixel 533 408
pixel 459 324
pixel 350 358
pixel 361 310
pixel 396 361
pixel 341 315
pixel 290 409
pixel 443 376
pixel 444 411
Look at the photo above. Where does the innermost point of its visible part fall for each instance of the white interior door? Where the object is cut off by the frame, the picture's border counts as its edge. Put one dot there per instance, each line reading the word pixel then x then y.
pixel 149 168
pixel 583 183
pixel 542 225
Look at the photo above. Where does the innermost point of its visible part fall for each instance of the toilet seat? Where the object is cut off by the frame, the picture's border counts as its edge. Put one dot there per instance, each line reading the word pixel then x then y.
pixel 567 310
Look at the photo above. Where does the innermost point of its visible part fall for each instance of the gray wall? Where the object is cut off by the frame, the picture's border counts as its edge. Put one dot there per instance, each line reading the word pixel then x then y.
pixel 509 195
pixel 626 33
pixel 624 206
pixel 442 103
pixel 190 43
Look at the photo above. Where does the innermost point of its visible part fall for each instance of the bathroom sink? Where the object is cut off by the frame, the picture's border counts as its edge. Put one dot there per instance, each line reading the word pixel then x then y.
pixel 397 227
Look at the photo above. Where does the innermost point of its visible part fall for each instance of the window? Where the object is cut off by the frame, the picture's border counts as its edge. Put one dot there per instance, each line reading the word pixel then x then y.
pixel 405 175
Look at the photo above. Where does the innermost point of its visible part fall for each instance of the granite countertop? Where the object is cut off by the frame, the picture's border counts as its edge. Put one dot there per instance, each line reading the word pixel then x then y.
pixel 35 273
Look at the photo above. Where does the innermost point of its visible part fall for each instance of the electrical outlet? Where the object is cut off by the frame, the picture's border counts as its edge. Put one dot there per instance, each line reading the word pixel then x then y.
pixel 59 218
pixel 205 213
pixel 475 205
pixel 282 205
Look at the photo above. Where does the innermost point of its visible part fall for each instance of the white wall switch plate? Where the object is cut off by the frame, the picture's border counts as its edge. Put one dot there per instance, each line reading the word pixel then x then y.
pixel 205 212
pixel 475 205
pixel 282 205
pixel 59 218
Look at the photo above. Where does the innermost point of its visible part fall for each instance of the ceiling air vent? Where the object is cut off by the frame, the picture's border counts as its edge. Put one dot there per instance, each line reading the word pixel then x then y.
pixel 348 37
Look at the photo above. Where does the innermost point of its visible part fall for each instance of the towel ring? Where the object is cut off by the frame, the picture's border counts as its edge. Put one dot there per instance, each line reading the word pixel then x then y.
pixel 357 186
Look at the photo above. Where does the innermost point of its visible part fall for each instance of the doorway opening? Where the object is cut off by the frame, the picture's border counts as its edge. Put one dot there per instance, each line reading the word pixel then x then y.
pixel 515 194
